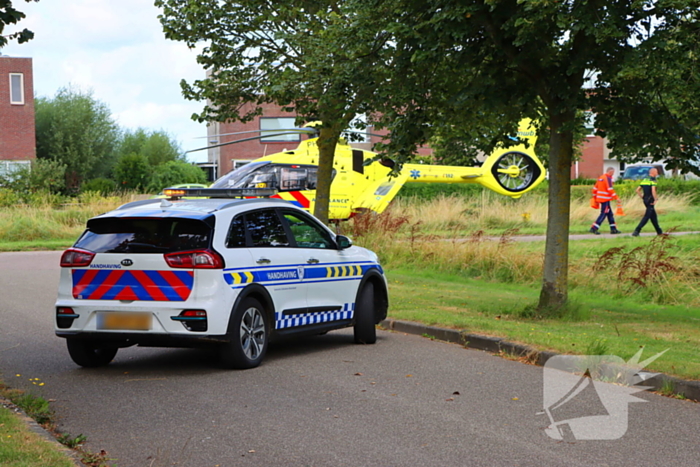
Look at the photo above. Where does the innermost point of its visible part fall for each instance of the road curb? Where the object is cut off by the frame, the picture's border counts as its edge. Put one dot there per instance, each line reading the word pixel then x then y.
pixel 40 431
pixel 688 389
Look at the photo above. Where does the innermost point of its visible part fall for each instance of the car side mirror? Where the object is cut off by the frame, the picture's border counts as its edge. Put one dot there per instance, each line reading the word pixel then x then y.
pixel 343 242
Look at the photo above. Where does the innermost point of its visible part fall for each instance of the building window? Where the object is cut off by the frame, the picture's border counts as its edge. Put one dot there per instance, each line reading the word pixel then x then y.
pixel 589 123
pixel 9 168
pixel 17 88
pixel 276 125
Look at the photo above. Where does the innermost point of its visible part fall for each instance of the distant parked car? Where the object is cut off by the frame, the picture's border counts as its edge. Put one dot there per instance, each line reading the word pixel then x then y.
pixel 640 171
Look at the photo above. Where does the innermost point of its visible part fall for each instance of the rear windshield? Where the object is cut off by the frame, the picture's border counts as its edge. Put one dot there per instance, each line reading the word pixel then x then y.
pixel 637 173
pixel 145 235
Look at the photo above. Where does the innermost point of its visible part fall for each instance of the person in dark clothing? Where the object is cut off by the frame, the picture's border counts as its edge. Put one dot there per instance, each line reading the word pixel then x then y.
pixel 647 191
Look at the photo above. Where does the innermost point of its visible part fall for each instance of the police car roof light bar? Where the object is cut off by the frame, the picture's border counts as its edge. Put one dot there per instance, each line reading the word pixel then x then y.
pixel 176 193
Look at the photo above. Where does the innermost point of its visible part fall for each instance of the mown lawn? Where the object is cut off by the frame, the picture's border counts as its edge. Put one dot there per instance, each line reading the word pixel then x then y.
pixel 621 326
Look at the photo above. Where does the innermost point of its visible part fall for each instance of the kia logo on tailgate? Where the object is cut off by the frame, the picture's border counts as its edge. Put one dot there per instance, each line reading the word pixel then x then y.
pixel 127 262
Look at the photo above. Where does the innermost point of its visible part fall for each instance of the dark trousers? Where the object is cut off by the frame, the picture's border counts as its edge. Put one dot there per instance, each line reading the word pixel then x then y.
pixel 649 215
pixel 605 212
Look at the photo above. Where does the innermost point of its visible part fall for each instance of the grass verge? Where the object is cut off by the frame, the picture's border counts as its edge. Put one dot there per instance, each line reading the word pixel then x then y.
pixel 38 245
pixel 496 309
pixel 20 447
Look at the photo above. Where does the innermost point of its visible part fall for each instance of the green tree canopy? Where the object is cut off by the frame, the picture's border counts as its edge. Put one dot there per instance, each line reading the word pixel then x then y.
pixel 78 131
pixel 10 15
pixel 175 173
pixel 157 146
pixel 313 58
pixel 132 172
pixel 649 105
pixel 492 62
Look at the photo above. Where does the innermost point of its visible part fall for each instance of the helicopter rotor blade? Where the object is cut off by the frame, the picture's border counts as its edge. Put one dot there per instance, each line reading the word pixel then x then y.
pixel 291 131
pixel 242 140
pixel 297 130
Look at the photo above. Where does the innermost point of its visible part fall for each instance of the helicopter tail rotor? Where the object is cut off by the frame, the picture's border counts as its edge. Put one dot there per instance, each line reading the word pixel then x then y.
pixel 516 171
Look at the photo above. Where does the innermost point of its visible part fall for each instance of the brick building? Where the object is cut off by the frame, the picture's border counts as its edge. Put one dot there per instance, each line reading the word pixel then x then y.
pixel 595 158
pixel 17 127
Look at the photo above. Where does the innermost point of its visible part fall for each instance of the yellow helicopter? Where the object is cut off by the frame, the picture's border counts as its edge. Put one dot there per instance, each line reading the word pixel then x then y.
pixel 361 183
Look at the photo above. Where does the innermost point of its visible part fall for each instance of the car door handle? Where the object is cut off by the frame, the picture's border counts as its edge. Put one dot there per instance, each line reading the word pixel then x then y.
pixel 263 261
pixel 312 261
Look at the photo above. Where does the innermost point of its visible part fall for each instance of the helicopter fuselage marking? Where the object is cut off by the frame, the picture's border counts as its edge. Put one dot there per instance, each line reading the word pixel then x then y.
pixel 298 198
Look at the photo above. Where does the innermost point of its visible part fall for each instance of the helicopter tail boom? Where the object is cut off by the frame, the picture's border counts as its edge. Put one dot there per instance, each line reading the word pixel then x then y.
pixel 508 171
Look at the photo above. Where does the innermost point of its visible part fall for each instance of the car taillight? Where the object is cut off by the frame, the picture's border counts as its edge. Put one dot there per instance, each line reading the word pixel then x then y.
pixel 76 258
pixel 193 320
pixel 195 259
pixel 194 314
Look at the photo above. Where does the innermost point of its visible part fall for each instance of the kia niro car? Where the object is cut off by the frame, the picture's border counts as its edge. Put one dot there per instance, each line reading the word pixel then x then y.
pixel 230 273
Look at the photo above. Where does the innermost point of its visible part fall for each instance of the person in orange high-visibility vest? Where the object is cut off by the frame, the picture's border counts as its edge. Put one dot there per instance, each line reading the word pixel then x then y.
pixel 604 193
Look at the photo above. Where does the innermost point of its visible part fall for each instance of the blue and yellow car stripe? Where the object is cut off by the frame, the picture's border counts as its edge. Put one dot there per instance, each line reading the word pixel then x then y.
pixel 291 274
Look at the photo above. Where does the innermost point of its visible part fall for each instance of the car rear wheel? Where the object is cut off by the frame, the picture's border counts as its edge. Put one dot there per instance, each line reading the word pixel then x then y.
pixel 364 330
pixel 249 331
pixel 89 354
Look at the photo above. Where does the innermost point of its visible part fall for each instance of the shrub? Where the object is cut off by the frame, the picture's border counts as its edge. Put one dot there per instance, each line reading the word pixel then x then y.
pixel 174 173
pixel 43 175
pixel 680 187
pixel 429 191
pixel 133 172
pixel 8 198
pixel 104 186
pixel 583 181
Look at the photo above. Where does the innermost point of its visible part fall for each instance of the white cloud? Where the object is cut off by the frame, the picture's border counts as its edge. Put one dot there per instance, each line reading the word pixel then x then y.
pixel 116 49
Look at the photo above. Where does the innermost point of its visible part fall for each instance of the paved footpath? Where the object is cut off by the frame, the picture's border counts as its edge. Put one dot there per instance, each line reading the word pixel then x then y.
pixel 588 236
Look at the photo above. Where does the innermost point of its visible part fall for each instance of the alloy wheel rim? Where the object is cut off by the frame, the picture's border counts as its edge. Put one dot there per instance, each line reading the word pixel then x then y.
pixel 252 333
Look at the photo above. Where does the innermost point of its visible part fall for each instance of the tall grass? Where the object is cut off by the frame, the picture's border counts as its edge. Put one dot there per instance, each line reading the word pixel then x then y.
pixel 485 211
pixel 471 236
pixel 449 234
pixel 490 211
pixel 46 218
pixel 400 241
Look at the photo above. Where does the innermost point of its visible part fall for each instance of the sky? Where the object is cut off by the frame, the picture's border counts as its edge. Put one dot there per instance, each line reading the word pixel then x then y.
pixel 117 50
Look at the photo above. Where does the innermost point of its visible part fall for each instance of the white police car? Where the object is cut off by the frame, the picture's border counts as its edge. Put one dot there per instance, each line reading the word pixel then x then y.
pixel 230 273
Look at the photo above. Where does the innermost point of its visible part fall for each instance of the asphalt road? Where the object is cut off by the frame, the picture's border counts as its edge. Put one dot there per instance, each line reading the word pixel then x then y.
pixel 406 401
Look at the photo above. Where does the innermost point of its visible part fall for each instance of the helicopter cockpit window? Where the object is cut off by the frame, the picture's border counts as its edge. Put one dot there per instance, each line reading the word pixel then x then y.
pixel 282 177
pixel 241 177
pixel 293 179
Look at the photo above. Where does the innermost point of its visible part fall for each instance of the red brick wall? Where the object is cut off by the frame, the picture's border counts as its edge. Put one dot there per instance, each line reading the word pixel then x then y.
pixel 592 160
pixel 17 135
pixel 248 150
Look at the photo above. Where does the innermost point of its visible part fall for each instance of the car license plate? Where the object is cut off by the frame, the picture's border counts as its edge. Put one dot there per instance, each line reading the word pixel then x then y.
pixel 124 321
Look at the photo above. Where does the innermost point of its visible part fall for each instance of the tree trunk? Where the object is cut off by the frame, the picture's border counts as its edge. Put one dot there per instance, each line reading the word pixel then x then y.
pixel 327 142
pixel 554 294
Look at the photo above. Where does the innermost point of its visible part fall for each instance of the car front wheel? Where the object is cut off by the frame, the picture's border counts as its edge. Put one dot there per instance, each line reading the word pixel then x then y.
pixel 249 336
pixel 89 354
